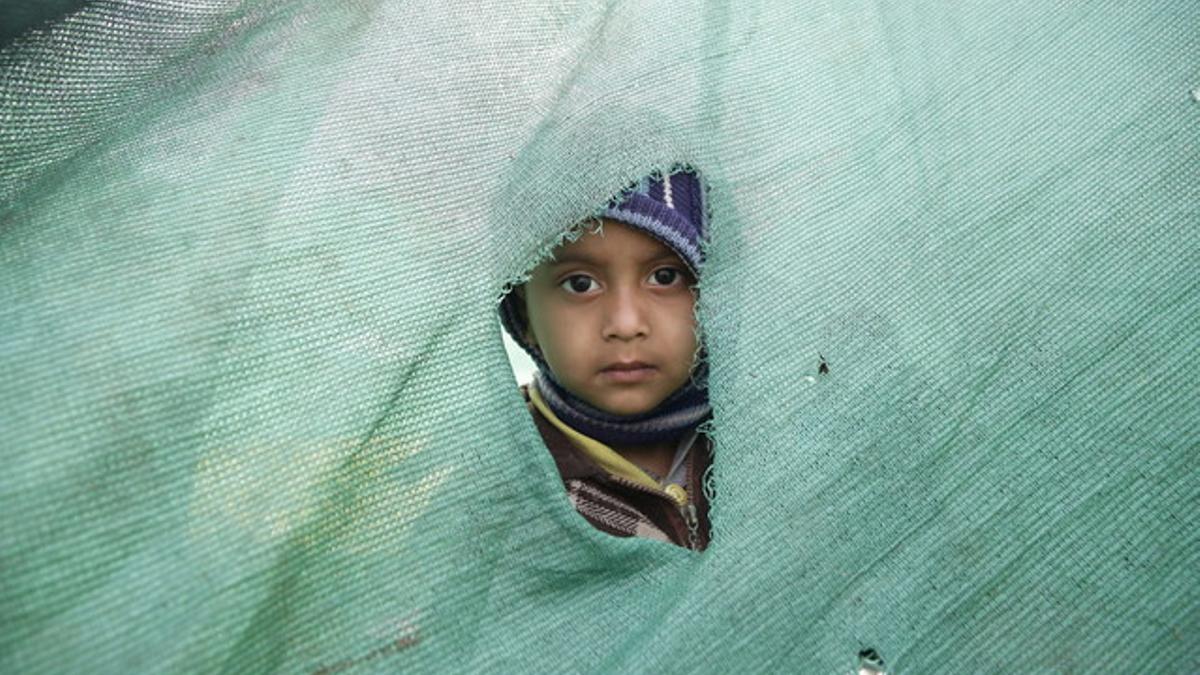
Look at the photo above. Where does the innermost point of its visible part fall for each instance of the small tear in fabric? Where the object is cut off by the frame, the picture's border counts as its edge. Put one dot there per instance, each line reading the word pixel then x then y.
pixel 870 663
pixel 822 370
pixel 1196 94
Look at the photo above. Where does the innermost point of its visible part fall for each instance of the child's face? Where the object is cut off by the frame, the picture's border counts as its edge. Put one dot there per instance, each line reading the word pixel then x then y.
pixel 608 300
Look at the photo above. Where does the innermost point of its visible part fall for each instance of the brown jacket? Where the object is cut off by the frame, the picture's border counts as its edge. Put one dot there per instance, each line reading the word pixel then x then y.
pixel 622 508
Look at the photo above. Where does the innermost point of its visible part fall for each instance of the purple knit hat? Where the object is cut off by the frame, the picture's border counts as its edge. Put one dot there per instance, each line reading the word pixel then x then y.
pixel 673 211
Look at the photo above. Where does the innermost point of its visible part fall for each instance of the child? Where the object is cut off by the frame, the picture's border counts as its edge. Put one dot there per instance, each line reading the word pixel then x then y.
pixel 621 385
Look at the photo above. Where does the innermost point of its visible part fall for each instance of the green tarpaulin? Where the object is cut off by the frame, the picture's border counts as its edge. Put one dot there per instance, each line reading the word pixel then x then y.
pixel 256 415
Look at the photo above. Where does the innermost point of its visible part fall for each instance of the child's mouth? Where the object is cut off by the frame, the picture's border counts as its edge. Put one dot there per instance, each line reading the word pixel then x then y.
pixel 628 372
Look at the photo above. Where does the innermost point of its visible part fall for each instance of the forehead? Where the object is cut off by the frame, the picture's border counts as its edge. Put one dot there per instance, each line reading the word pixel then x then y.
pixel 612 241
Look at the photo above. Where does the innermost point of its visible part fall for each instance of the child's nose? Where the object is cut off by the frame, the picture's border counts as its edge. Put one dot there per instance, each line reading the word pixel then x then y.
pixel 626 315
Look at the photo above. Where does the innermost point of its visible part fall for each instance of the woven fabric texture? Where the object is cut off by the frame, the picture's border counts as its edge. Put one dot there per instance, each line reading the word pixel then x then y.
pixel 256 415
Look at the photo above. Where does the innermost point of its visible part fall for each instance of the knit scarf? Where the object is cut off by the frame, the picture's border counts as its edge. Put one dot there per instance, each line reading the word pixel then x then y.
pixel 678 413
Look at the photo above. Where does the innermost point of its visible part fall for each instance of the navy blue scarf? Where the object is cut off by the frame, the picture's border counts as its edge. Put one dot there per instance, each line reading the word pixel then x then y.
pixel 678 413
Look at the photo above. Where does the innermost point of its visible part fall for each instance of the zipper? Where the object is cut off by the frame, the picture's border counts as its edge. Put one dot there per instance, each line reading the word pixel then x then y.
pixel 693 525
pixel 690 515
pixel 687 511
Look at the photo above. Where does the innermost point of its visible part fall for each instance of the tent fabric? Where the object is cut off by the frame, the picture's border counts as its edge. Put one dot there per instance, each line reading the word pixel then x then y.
pixel 256 415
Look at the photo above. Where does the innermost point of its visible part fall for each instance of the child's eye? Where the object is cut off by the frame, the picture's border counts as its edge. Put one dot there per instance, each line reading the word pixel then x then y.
pixel 577 284
pixel 666 276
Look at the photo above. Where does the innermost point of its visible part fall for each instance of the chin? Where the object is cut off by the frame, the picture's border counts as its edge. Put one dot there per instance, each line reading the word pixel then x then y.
pixel 629 405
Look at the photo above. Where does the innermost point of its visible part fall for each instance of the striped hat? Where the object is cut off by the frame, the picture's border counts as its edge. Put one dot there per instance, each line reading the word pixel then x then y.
pixel 669 209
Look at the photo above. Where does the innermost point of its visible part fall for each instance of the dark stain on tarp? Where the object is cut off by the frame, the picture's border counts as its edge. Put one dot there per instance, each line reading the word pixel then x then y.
pixel 400 643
